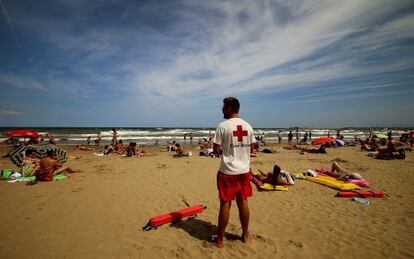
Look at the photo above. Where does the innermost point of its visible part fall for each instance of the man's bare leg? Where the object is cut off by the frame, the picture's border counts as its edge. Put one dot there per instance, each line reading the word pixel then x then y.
pixel 244 216
pixel 64 169
pixel 222 222
pixel 337 168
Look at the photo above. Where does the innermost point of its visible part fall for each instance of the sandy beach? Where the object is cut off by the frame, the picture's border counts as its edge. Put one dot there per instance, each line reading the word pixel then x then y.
pixel 100 211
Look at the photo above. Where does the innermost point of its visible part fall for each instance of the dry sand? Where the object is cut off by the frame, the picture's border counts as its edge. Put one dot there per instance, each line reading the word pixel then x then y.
pixel 100 212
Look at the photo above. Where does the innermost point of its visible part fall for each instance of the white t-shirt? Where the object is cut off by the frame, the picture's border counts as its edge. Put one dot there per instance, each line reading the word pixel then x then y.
pixel 234 136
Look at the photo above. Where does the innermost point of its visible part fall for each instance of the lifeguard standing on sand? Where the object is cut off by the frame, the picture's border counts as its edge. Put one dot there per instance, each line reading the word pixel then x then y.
pixel 234 141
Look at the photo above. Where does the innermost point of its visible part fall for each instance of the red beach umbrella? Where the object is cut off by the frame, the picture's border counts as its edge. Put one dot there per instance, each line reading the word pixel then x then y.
pixel 22 133
pixel 322 140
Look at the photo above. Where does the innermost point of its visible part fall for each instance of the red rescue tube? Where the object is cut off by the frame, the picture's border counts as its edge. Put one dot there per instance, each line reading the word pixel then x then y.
pixel 362 194
pixel 174 216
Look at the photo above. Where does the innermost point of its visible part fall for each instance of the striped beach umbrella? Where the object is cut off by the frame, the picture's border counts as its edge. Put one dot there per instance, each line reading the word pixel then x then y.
pixel 41 150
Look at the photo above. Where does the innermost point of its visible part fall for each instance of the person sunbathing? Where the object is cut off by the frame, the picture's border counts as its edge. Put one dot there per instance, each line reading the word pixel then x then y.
pixel 170 146
pixel 119 147
pixel 109 149
pixel 277 177
pixel 83 148
pixel 320 150
pixel 390 152
pixel 293 147
pixel 50 166
pixel 343 174
pixel 271 178
pixel 364 146
pixel 181 151
pixel 141 152
pixel 205 144
pixel 30 163
pixel 132 149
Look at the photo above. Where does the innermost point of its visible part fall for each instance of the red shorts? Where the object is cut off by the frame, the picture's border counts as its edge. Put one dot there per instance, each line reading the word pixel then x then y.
pixel 231 185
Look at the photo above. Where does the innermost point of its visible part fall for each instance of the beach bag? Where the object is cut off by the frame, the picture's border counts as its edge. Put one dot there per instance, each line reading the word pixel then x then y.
pixel 268 151
pixel 5 174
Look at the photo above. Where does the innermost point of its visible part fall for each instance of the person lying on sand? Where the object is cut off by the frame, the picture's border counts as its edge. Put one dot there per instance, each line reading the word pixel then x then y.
pixel 277 177
pixel 343 174
pixel 50 166
pixel 320 150
pixel 293 147
pixel 390 152
pixel 84 148
pixel 30 163
pixel 271 178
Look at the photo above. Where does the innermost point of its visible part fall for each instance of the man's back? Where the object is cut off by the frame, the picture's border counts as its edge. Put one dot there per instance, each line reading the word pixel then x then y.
pixel 47 164
pixel 235 137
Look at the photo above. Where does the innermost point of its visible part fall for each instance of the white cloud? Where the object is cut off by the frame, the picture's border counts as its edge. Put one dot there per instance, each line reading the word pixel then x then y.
pixel 217 48
pixel 236 52
pixel 10 113
pixel 19 81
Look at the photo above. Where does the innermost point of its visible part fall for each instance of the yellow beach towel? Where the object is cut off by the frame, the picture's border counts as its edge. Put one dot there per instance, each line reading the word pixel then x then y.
pixel 333 183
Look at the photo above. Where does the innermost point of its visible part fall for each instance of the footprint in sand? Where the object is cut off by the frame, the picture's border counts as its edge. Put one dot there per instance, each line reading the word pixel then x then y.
pixel 41 205
pixel 162 166
pixel 298 244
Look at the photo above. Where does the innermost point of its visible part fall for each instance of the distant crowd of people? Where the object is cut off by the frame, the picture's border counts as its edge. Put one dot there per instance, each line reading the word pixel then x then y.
pixel 394 149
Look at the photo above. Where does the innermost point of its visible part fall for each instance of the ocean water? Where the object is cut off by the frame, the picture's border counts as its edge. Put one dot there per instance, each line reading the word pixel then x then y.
pixel 144 136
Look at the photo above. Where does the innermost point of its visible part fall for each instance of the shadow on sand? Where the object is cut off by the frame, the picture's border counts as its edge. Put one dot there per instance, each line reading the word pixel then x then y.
pixel 201 229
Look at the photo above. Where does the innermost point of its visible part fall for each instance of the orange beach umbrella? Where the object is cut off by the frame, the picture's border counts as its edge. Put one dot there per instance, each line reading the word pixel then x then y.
pixel 22 133
pixel 322 140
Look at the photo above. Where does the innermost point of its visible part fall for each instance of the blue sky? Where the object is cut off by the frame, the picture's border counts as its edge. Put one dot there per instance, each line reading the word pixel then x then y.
pixel 170 63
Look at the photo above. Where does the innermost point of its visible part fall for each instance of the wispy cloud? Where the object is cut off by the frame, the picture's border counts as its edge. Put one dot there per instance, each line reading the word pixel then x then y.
pixel 9 113
pixel 185 54
pixel 20 81
pixel 239 52
pixel 9 22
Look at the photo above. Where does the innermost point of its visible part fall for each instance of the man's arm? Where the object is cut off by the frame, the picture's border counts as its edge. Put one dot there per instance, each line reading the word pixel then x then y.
pixel 217 150
pixel 57 164
pixel 252 148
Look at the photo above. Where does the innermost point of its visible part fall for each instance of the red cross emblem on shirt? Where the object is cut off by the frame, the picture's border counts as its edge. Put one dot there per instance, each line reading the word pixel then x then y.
pixel 239 133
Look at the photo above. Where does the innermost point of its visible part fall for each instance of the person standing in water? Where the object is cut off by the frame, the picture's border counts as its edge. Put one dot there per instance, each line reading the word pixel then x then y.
pixel 279 136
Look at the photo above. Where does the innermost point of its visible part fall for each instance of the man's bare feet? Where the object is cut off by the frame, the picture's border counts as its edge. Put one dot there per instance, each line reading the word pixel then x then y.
pixel 216 242
pixel 245 238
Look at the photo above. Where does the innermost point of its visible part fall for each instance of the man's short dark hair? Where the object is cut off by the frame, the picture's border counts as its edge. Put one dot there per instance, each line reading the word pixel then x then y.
pixel 232 103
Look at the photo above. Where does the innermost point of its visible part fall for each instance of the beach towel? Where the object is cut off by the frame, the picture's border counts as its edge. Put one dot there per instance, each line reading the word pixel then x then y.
pixel 33 178
pixel 267 187
pixel 5 174
pixel 333 183
pixel 358 180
